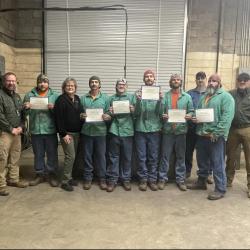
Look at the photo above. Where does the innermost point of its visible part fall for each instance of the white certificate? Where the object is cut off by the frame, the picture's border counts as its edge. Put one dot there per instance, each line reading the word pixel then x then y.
pixel 94 115
pixel 39 102
pixel 176 115
pixel 150 92
pixel 204 115
pixel 121 107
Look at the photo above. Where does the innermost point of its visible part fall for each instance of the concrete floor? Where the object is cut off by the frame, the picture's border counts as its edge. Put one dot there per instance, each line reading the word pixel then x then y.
pixel 46 217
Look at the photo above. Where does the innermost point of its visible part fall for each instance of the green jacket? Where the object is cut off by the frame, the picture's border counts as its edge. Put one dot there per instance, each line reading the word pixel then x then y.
pixel 184 102
pixel 10 111
pixel 122 124
pixel 41 122
pixel 148 116
pixel 95 128
pixel 242 108
pixel 223 104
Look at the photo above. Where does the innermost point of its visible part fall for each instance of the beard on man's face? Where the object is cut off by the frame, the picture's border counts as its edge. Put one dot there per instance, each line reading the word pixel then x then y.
pixel 174 86
pixel 211 90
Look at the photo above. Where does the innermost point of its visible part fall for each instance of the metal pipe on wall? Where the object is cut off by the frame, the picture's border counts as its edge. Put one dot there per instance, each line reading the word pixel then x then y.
pixel 248 37
pixel 220 30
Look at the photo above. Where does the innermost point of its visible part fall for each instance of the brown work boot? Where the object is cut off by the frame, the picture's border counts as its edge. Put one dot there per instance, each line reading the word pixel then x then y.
pixel 210 179
pixel 182 186
pixel 3 191
pixel 126 185
pixel 38 179
pixel 103 185
pixel 153 186
pixel 143 186
pixel 18 184
pixel 110 187
pixel 200 184
pixel 86 185
pixel 161 185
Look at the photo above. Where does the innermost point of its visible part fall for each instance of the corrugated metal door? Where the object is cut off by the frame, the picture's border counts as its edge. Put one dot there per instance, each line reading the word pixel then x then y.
pixel 86 43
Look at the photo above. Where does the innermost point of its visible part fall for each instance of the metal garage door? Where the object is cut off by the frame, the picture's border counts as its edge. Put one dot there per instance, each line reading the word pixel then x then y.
pixel 85 43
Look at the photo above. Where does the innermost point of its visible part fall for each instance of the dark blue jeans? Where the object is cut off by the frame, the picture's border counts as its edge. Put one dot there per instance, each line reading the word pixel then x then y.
pixel 41 145
pixel 119 158
pixel 170 143
pixel 212 155
pixel 94 150
pixel 191 140
pixel 147 151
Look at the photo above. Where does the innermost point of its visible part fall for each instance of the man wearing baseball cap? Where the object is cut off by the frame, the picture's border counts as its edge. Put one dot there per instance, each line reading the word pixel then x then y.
pixel 212 137
pixel 240 130
pixel 43 132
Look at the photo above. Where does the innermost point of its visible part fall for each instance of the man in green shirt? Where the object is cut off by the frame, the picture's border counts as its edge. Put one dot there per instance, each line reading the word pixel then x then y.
pixel 212 137
pixel 93 133
pixel 43 131
pixel 147 136
pixel 174 134
pixel 121 137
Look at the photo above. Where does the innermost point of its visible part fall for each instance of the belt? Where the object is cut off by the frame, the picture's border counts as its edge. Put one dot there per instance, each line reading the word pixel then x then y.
pixel 241 126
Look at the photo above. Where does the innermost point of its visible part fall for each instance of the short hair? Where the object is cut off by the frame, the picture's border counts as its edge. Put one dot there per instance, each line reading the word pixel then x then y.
pixel 68 79
pixel 95 78
pixel 243 77
pixel 201 75
pixel 8 74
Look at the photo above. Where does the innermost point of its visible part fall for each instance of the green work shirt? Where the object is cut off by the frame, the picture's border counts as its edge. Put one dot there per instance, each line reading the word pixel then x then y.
pixel 184 102
pixel 122 124
pixel 101 101
pixel 147 116
pixel 41 122
pixel 223 105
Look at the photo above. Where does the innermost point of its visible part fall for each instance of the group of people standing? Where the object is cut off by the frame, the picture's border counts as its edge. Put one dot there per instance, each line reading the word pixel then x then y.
pixel 109 137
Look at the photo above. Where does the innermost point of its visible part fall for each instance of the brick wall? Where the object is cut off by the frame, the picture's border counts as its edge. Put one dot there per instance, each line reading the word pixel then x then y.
pixel 202 41
pixel 21 41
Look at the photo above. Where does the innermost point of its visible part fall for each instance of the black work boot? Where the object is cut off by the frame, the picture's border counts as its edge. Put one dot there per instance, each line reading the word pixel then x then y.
pixel 200 184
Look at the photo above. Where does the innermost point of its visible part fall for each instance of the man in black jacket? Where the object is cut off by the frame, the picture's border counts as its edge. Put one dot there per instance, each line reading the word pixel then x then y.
pixel 11 127
pixel 240 129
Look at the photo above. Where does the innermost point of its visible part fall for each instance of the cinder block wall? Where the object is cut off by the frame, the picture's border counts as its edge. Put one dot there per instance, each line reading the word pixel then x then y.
pixel 203 44
pixel 21 41
pixel 7 35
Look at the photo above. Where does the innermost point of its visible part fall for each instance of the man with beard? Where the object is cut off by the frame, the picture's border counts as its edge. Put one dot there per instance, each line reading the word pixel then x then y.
pixel 191 137
pixel 93 134
pixel 43 132
pixel 240 130
pixel 174 134
pixel 212 137
pixel 147 136
pixel 11 127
